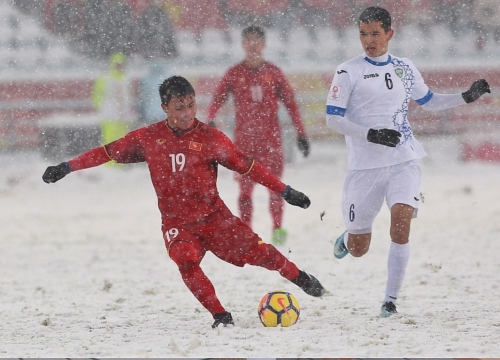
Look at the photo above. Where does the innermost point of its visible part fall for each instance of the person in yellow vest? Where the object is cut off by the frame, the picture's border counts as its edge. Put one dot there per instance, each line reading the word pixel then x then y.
pixel 112 97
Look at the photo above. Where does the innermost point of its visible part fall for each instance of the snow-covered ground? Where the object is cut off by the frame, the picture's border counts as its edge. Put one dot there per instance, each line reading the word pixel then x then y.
pixel 84 271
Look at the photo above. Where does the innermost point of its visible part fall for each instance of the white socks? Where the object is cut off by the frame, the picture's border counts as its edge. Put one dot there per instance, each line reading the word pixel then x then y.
pixel 396 268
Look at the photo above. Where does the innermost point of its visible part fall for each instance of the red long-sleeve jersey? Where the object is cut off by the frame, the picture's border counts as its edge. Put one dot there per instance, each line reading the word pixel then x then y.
pixel 183 168
pixel 256 95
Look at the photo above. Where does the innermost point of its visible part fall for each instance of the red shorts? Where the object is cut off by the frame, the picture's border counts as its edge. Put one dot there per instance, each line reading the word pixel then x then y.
pixel 222 233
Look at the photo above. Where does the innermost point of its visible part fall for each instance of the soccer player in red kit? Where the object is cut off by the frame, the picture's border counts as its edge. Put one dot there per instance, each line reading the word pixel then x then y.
pixel 182 155
pixel 257 87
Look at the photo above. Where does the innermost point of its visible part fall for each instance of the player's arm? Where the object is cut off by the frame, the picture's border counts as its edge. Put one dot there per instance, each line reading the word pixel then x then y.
pixel 436 102
pixel 123 150
pixel 234 159
pixel 219 98
pixel 261 175
pixel 336 108
pixel 91 158
pixel 287 96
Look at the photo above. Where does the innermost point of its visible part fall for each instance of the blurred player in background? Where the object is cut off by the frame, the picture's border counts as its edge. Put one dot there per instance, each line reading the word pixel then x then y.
pixel 149 111
pixel 112 98
pixel 368 103
pixel 257 87
pixel 182 155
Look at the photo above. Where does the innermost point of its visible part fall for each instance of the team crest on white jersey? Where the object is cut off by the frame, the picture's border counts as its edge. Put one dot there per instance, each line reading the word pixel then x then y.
pixel 399 72
pixel 335 92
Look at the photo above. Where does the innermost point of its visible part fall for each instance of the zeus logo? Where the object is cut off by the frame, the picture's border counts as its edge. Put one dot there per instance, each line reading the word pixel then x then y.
pixel 370 76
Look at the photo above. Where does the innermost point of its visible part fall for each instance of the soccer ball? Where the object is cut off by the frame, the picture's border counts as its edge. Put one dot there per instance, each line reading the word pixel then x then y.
pixel 278 308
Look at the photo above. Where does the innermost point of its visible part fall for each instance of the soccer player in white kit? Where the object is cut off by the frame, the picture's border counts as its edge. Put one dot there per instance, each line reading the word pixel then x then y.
pixel 368 103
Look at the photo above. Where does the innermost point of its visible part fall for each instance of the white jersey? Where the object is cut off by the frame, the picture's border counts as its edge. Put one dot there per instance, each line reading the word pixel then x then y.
pixel 375 94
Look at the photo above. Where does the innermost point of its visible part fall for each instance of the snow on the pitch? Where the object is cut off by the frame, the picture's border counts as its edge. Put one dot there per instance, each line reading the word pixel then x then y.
pixel 84 271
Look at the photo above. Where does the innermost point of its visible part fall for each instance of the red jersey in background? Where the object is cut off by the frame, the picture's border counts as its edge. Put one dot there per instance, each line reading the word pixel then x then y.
pixel 256 93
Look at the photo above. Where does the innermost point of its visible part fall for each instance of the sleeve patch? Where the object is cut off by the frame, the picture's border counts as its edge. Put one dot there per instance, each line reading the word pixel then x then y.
pixel 335 92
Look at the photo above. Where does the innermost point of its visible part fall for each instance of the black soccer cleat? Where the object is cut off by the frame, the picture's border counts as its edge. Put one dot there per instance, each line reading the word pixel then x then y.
pixel 309 284
pixel 224 318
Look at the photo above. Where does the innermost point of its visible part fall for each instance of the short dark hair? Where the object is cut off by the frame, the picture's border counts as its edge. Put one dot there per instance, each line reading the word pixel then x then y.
pixel 253 29
pixel 375 13
pixel 175 86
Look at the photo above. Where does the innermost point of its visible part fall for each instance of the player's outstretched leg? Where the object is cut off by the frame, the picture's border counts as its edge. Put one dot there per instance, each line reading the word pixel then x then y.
pixel 309 284
pixel 339 249
pixel 224 318
pixel 269 257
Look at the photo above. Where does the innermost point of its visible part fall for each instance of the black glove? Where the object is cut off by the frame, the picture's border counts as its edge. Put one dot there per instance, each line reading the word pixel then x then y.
pixel 387 137
pixel 478 88
pixel 303 145
pixel 294 197
pixel 56 173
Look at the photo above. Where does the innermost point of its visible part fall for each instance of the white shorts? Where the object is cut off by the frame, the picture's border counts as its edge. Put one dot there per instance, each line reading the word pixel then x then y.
pixel 365 191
